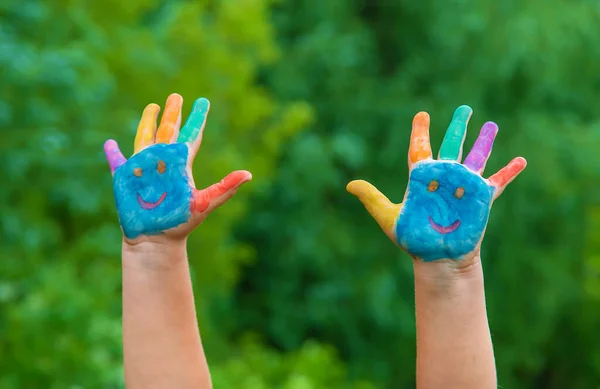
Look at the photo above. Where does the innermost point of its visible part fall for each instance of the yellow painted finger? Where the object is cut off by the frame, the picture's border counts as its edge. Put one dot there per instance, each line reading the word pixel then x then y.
pixel 380 207
pixel 171 120
pixel 146 128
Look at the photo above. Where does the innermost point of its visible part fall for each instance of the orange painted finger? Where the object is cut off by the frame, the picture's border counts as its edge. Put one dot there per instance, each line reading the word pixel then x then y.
pixel 508 173
pixel 146 128
pixel 171 120
pixel 420 147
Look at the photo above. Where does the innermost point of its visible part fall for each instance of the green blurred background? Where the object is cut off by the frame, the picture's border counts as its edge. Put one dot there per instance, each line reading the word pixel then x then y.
pixel 296 286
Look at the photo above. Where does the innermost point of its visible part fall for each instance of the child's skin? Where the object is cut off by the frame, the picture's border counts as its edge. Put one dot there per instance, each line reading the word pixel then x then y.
pixel 158 207
pixel 454 347
pixel 161 342
pixel 441 223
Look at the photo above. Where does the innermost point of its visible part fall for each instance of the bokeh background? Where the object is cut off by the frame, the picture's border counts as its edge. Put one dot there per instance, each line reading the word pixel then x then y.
pixel 296 286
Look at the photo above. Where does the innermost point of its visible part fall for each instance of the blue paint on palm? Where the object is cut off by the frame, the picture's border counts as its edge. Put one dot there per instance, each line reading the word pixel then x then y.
pixel 437 221
pixel 152 190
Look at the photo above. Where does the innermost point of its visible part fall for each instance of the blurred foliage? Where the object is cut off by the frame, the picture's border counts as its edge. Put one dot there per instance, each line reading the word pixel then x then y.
pixel 307 95
pixel 324 268
pixel 312 366
pixel 73 74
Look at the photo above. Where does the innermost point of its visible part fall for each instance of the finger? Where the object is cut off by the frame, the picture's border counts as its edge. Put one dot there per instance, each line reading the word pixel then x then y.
pixel 482 148
pixel 420 147
pixel 171 120
pixel 194 126
pixel 146 128
pixel 452 144
pixel 113 155
pixel 380 207
pixel 217 194
pixel 505 175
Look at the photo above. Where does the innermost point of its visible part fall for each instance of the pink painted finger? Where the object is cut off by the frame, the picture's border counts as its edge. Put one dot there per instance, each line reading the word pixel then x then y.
pixel 482 148
pixel 505 175
pixel 113 155
pixel 217 194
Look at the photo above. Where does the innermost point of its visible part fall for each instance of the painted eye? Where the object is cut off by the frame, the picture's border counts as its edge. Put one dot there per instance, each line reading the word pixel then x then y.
pixel 137 172
pixel 161 167
pixel 459 192
pixel 433 185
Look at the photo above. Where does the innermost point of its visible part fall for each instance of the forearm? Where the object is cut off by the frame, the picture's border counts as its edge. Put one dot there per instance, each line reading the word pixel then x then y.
pixel 454 346
pixel 161 342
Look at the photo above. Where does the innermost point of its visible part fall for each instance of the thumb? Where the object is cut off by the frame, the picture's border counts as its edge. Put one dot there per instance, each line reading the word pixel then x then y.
pixel 380 207
pixel 214 196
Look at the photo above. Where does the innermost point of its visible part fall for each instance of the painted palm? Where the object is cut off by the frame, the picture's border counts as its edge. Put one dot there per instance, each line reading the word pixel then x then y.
pixel 446 204
pixel 154 190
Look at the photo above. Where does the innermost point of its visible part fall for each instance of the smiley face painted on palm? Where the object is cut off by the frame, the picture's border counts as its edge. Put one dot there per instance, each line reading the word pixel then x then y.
pixel 447 203
pixel 445 212
pixel 152 190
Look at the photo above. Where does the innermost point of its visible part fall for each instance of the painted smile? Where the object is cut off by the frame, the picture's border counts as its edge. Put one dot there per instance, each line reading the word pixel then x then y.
pixel 149 205
pixel 444 230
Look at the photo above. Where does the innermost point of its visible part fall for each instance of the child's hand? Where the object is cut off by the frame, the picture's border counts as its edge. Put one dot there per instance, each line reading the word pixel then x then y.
pixel 154 190
pixel 446 204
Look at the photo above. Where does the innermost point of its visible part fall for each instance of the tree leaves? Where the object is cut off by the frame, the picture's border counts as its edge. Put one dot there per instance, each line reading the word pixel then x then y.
pixel 511 63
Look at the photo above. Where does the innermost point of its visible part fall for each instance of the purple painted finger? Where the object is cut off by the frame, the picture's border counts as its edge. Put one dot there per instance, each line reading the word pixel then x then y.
pixel 113 155
pixel 482 148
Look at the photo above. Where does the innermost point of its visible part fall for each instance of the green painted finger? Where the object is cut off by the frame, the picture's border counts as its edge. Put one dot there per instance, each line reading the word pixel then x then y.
pixel 455 134
pixel 195 123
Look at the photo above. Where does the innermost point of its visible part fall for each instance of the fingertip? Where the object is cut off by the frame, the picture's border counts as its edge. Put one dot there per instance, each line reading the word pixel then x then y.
pixel 521 162
pixel 175 98
pixel 152 108
pixel 110 144
pixel 464 108
pixel 351 186
pixel 356 186
pixel 421 118
pixel 236 179
pixel 243 176
pixel 517 165
pixel 490 127
pixel 421 121
pixel 201 104
pixel 463 112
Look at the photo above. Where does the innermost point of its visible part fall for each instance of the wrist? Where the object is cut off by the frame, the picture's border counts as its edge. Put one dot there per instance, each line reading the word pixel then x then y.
pixel 448 277
pixel 156 254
